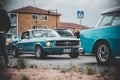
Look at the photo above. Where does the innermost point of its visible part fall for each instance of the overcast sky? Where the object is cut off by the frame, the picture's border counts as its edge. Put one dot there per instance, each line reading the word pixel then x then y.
pixel 68 8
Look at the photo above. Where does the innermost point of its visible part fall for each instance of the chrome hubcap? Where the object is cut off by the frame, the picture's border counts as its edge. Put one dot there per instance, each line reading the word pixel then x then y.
pixel 13 51
pixel 103 53
pixel 38 52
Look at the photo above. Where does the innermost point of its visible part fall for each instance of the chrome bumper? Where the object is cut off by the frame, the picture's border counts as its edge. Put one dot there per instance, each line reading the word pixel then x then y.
pixel 81 50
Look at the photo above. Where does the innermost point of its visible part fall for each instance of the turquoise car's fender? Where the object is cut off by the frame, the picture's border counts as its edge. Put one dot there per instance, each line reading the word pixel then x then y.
pixel 110 34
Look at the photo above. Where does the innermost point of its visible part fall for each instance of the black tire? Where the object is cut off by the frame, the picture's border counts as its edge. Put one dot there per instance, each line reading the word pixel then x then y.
pixel 39 53
pixel 14 52
pixel 74 55
pixel 103 53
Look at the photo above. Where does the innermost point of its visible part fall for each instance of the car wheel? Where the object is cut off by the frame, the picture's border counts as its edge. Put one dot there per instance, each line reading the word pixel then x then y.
pixel 39 53
pixel 74 55
pixel 103 53
pixel 14 52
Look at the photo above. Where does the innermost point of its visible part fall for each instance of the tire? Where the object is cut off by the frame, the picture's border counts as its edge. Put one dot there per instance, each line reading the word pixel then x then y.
pixel 14 52
pixel 75 55
pixel 103 53
pixel 39 53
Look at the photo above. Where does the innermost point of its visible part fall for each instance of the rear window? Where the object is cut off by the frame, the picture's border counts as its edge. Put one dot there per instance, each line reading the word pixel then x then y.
pixel 65 33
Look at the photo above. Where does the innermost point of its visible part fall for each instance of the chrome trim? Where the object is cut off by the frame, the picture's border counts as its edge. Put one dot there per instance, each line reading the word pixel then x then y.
pixel 80 50
pixel 26 52
pixel 67 43
pixel 63 47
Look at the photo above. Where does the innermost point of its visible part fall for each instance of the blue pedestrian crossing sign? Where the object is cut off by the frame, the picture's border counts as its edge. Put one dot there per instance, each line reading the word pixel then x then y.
pixel 80 14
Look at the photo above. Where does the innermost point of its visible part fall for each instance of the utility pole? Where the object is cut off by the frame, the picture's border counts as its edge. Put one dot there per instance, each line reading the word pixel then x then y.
pixel 56 16
pixel 56 20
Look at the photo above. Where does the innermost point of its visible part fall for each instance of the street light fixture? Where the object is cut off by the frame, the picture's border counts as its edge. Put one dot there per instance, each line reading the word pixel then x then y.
pixel 56 16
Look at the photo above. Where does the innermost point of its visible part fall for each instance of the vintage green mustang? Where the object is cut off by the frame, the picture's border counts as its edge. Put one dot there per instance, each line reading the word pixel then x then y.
pixel 103 40
pixel 43 42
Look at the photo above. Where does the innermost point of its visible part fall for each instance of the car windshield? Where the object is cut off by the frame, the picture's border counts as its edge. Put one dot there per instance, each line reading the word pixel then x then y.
pixel 45 33
pixel 9 36
pixel 65 33
pixel 105 20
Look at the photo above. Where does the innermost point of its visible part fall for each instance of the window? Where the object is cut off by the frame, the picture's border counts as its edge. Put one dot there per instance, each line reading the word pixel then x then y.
pixel 45 27
pixel 116 20
pixel 13 19
pixel 34 27
pixel 34 17
pixel 13 16
pixel 44 18
pixel 106 20
pixel 25 35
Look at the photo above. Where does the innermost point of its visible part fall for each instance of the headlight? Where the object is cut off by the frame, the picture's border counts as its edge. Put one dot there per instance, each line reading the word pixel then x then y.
pixel 7 41
pixel 48 44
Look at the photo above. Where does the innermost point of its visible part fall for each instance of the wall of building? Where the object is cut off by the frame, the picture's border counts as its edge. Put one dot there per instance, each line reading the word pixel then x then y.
pixel 26 22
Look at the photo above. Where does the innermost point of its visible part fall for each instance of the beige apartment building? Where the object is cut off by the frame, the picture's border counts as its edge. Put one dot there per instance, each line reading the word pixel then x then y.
pixel 31 17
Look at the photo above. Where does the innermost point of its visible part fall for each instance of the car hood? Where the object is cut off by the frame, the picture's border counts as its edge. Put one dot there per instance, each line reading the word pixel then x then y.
pixel 62 38
pixel 54 38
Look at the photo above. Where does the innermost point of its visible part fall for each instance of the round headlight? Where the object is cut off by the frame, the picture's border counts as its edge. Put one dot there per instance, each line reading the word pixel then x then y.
pixel 7 41
pixel 48 44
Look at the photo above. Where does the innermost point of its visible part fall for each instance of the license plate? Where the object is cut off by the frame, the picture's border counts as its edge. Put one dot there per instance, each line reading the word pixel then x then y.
pixel 67 51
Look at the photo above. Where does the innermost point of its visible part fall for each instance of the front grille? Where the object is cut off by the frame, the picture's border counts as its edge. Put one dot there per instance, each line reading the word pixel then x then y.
pixel 67 43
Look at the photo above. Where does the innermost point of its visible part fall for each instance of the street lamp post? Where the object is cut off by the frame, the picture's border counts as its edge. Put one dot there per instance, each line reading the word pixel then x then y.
pixel 56 16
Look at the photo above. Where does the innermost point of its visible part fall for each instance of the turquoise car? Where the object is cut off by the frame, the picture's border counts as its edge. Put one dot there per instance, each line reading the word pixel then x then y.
pixel 43 42
pixel 103 40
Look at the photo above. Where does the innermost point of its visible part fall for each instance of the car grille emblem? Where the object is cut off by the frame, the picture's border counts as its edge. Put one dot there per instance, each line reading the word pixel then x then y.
pixel 67 43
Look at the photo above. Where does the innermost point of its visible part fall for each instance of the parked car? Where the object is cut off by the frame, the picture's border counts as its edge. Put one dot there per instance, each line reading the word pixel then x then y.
pixel 43 42
pixel 65 32
pixel 9 38
pixel 103 40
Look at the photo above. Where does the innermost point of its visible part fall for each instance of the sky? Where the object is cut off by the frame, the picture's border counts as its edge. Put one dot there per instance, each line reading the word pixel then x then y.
pixel 68 8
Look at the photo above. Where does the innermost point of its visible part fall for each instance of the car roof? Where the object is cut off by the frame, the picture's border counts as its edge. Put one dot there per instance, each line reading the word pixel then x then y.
pixel 61 29
pixel 111 10
pixel 37 29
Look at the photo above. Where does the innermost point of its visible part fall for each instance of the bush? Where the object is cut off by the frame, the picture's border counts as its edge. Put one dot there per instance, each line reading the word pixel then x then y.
pixel 33 66
pixel 20 64
pixel 24 77
pixel 74 68
pixel 90 70
pixel 65 70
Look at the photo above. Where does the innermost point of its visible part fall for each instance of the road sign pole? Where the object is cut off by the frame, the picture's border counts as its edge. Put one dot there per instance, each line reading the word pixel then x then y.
pixel 80 15
pixel 80 22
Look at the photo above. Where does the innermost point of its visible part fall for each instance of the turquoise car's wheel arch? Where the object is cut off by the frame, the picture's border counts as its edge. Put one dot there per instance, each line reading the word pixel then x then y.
pixel 97 50
pixel 39 52
pixel 96 43
pixel 15 52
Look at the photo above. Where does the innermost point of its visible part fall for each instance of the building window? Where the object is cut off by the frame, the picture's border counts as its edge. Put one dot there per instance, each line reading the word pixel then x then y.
pixel 34 17
pixel 44 18
pixel 13 19
pixel 45 27
pixel 34 27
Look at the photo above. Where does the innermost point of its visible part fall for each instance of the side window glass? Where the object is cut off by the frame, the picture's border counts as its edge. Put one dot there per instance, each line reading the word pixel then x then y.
pixel 25 35
pixel 116 20
pixel 106 21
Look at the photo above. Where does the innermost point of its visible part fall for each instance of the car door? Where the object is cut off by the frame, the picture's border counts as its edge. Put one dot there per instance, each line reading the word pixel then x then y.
pixel 116 34
pixel 23 43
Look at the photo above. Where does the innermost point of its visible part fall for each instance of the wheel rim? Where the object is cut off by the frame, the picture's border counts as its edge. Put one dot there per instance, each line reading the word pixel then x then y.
pixel 13 51
pixel 103 53
pixel 38 52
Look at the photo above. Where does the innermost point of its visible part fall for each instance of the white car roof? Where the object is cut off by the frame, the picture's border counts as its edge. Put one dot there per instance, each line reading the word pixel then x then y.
pixel 111 10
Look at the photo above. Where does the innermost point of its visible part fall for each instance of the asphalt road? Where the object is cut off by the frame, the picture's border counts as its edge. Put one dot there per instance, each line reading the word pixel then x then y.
pixel 55 60
pixel 63 61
